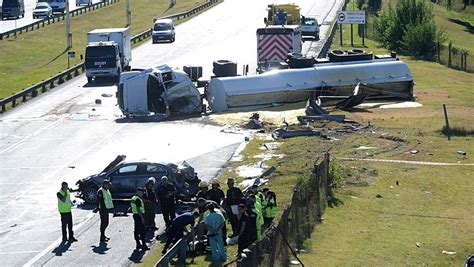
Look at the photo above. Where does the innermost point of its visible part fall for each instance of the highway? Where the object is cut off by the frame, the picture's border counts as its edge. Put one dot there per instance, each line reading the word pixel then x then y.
pixel 63 135
pixel 10 23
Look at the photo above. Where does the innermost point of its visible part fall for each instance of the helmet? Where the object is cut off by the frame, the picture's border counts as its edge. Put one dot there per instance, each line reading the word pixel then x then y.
pixel 202 184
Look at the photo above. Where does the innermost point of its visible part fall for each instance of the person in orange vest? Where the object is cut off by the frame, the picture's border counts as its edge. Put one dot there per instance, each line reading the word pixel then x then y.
pixel 64 207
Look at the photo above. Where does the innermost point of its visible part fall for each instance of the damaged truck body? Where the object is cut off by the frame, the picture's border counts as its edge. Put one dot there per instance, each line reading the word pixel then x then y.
pixel 157 90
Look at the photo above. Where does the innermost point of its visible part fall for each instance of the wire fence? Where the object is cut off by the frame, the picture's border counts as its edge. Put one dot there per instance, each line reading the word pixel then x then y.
pixel 281 243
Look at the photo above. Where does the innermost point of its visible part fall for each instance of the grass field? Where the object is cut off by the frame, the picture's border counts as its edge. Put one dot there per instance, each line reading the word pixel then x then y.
pixel 39 54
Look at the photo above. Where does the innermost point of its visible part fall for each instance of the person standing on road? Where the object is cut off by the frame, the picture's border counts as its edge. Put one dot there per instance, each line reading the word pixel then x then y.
pixel 203 191
pixel 214 223
pixel 138 210
pixel 150 203
pixel 104 205
pixel 234 197
pixel 64 207
pixel 166 195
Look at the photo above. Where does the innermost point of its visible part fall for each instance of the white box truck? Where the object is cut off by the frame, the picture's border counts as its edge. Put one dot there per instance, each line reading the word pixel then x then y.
pixel 108 53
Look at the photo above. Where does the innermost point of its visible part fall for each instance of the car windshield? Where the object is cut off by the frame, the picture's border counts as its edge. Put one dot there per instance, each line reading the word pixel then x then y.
pixel 100 52
pixel 309 22
pixel 162 27
pixel 41 6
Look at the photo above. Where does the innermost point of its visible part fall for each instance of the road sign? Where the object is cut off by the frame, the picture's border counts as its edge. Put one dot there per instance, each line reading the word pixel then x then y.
pixel 71 54
pixel 351 17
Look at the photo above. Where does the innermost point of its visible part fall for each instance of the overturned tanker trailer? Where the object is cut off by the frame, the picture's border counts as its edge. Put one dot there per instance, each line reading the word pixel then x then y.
pixel 382 78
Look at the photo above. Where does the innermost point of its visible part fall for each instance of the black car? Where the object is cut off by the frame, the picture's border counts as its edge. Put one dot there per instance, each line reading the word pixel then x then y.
pixel 126 176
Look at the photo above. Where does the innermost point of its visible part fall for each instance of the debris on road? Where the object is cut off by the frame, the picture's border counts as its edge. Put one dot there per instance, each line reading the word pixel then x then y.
pixel 106 95
pixel 462 153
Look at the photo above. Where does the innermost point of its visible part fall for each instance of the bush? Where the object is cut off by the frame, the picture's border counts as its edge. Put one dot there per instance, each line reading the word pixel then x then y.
pixel 409 28
pixel 374 5
pixel 360 3
pixel 420 41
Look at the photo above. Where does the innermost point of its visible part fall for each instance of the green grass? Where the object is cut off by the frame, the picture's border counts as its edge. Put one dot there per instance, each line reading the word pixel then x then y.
pixel 39 54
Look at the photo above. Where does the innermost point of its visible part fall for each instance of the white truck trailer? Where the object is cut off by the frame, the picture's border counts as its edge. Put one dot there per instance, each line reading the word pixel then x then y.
pixel 274 43
pixel 108 53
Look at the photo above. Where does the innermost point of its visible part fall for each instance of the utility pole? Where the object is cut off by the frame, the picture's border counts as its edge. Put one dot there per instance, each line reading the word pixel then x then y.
pixel 68 26
pixel 128 13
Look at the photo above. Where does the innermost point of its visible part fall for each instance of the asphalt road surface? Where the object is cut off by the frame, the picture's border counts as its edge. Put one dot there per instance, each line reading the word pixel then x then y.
pixel 10 23
pixel 63 135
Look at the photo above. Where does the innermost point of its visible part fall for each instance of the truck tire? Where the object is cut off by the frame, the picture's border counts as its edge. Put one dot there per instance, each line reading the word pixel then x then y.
pixel 302 62
pixel 224 68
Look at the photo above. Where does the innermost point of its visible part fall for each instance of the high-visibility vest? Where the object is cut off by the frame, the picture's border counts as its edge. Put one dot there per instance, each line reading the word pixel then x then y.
pixel 269 212
pixel 64 207
pixel 134 207
pixel 107 199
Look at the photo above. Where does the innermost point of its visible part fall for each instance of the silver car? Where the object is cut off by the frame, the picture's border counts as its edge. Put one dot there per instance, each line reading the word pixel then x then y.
pixel 163 30
pixel 42 10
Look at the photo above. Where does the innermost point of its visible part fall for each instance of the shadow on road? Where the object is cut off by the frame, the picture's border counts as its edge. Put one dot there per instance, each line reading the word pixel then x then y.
pixel 101 249
pixel 63 247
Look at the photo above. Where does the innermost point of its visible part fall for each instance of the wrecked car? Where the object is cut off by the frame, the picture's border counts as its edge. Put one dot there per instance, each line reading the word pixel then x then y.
pixel 157 90
pixel 126 176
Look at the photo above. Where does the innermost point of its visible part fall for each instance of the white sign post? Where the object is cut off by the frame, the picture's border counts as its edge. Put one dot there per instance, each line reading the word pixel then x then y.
pixel 350 17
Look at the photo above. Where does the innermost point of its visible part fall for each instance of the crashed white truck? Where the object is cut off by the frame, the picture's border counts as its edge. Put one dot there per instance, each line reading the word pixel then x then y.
pixel 157 90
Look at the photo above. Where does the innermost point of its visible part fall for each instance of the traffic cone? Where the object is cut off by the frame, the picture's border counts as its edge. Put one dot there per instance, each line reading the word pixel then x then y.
pixel 168 113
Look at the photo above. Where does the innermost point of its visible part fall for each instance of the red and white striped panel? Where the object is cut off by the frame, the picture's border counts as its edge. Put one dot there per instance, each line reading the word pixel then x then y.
pixel 274 47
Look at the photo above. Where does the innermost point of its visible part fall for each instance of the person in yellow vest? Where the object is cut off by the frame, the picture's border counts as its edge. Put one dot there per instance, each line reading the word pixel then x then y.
pixel 64 207
pixel 138 210
pixel 269 207
pixel 257 208
pixel 104 205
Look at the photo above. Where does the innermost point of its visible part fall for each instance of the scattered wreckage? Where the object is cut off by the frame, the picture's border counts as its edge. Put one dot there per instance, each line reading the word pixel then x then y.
pixel 127 175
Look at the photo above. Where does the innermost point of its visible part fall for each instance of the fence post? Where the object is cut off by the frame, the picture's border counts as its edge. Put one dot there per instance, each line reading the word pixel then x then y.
pixel 439 52
pixel 449 54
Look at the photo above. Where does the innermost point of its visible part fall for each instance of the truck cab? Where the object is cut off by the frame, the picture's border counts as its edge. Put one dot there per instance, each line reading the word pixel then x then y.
pixel 13 9
pixel 102 60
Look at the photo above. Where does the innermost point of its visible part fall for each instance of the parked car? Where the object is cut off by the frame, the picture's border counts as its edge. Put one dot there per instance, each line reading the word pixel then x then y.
pixel 163 30
pixel 310 27
pixel 126 176
pixel 42 10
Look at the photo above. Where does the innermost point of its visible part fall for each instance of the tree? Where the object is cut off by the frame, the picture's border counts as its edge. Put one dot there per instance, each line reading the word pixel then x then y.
pixel 360 3
pixel 397 28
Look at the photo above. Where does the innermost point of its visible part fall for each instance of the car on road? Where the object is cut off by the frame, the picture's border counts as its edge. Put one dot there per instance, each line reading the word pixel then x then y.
pixel 126 176
pixel 163 30
pixel 42 10
pixel 310 27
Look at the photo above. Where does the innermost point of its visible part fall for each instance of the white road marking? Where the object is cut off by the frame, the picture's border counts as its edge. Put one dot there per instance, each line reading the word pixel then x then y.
pixel 22 141
pixel 52 245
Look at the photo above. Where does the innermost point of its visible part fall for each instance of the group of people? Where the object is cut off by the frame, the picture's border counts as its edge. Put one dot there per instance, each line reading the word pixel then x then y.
pixel 248 214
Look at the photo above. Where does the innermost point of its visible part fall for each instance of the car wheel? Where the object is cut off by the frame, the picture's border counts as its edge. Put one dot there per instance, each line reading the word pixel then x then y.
pixel 90 194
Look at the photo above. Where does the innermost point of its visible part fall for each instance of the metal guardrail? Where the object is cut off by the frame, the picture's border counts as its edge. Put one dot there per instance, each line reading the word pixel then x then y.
pixel 177 249
pixel 325 49
pixel 68 74
pixel 48 21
